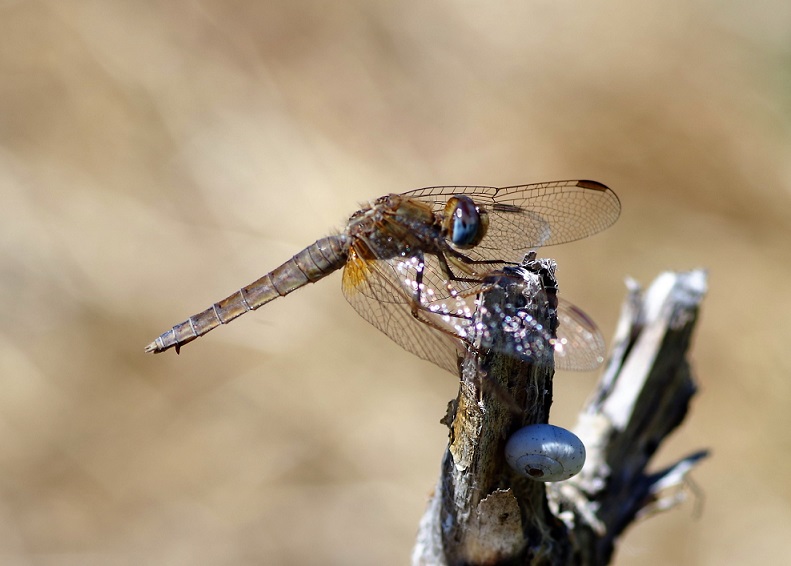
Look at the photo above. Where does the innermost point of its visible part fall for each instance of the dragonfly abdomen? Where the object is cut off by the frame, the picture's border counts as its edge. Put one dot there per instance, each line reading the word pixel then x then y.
pixel 308 266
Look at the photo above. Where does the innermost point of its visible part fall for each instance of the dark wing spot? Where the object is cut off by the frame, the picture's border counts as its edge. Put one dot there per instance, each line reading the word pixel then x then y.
pixel 595 185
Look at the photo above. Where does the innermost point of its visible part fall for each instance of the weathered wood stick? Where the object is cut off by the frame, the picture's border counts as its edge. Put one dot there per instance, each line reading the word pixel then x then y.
pixel 484 513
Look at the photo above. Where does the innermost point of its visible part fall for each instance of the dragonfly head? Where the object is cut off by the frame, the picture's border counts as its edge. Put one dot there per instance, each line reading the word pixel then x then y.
pixel 464 222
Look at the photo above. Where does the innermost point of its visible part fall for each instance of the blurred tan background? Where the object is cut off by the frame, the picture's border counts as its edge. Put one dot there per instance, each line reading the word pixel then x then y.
pixel 155 156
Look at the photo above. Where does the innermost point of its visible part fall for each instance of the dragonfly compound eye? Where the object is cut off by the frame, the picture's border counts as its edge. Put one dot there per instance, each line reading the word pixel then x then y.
pixel 545 452
pixel 465 222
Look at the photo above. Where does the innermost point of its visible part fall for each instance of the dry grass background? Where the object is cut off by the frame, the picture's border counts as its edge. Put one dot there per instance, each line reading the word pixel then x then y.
pixel 155 156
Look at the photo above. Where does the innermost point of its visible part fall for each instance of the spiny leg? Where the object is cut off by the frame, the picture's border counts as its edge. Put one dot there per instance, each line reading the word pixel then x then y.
pixel 450 276
pixel 416 305
pixel 469 261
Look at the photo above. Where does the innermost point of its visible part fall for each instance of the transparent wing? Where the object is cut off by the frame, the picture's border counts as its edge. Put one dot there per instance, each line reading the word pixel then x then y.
pixel 385 292
pixel 465 281
pixel 382 292
pixel 524 217
pixel 514 330
pixel 579 344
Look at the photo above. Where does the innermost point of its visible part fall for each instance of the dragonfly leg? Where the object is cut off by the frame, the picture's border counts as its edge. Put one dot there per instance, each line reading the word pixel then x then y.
pixel 450 276
pixel 415 304
pixel 469 261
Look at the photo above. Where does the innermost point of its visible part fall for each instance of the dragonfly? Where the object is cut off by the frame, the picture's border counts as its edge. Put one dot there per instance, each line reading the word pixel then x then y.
pixel 414 262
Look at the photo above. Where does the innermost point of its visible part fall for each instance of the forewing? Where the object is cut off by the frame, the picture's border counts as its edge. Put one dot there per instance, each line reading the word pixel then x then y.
pixel 440 195
pixel 380 291
pixel 525 217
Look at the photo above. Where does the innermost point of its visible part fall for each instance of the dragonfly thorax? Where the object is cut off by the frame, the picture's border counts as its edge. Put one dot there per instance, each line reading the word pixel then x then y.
pixel 395 226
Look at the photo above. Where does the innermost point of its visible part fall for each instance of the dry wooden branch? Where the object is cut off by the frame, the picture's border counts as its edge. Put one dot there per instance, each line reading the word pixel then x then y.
pixel 482 512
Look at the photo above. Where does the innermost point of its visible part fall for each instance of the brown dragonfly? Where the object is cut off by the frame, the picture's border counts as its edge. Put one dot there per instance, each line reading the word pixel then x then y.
pixel 414 262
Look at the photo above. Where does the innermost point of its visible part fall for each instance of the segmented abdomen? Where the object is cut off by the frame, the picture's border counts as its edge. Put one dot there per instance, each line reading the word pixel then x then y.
pixel 311 264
